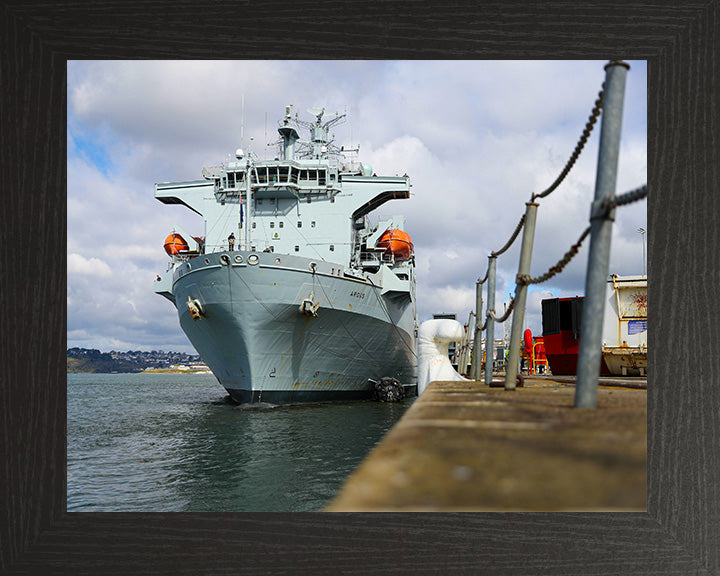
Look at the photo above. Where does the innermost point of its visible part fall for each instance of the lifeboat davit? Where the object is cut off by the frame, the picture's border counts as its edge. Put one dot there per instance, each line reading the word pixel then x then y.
pixel 397 243
pixel 175 244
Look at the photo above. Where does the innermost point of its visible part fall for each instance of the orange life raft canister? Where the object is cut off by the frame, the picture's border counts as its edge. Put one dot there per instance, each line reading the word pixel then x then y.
pixel 174 244
pixel 397 243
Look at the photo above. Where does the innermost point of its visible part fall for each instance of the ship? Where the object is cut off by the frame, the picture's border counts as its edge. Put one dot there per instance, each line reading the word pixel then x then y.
pixel 295 292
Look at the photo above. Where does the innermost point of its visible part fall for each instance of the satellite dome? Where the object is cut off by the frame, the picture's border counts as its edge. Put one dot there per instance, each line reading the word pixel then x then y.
pixel 239 153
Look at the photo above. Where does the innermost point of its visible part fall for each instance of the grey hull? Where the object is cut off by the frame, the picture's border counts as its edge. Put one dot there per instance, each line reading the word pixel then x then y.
pixel 262 348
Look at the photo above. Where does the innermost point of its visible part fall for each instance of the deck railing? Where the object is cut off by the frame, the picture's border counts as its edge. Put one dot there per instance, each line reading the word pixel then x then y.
pixel 602 210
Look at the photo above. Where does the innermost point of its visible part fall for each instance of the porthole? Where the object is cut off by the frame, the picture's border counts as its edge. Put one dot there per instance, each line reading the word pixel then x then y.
pixel 225 259
pixel 238 259
pixel 313 266
pixel 253 259
pixel 207 260
pixel 277 260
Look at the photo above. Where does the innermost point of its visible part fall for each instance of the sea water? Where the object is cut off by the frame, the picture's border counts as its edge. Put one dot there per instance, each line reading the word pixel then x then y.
pixel 175 443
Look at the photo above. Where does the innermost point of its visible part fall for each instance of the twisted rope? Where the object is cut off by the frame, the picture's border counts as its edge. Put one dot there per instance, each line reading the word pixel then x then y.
pixel 491 313
pixel 481 282
pixel 512 238
pixel 578 148
pixel 629 197
pixel 554 270
pixel 606 207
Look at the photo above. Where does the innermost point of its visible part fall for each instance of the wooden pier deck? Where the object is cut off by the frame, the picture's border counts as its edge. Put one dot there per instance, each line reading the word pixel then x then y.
pixel 463 446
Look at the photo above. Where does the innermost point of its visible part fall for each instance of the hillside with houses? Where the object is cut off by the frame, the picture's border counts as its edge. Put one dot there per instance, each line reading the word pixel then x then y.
pixel 83 360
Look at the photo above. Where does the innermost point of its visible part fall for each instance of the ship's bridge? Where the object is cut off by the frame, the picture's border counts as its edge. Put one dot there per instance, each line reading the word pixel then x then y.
pixel 280 179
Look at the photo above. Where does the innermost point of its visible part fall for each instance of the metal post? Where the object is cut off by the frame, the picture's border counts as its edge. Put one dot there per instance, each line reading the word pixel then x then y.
pixel 477 340
pixel 462 354
pixel 511 370
pixel 490 334
pixel 466 349
pixel 591 328
pixel 642 231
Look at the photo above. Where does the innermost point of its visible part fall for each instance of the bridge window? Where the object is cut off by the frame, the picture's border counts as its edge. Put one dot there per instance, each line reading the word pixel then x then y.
pixel 332 247
pixel 272 224
pixel 299 224
pixel 297 248
pixel 281 224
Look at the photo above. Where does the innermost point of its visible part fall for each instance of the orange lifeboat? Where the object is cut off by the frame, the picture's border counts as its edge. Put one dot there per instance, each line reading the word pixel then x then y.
pixel 397 243
pixel 175 244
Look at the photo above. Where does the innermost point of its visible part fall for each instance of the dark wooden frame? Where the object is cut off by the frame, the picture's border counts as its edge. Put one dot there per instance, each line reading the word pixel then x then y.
pixel 680 533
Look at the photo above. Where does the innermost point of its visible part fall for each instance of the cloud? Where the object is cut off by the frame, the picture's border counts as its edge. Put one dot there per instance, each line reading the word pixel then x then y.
pixel 476 137
pixel 77 264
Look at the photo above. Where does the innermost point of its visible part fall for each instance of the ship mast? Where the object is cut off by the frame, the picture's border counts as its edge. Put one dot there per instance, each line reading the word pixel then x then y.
pixel 248 194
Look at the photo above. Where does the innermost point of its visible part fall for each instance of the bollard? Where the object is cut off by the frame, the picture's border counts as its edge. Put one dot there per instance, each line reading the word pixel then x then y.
pixel 477 347
pixel 590 354
pixel 511 370
pixel 490 333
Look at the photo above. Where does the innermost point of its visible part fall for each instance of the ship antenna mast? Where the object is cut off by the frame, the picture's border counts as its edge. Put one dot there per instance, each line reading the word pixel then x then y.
pixel 242 121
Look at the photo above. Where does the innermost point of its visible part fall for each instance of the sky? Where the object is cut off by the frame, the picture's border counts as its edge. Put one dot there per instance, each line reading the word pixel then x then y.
pixel 477 139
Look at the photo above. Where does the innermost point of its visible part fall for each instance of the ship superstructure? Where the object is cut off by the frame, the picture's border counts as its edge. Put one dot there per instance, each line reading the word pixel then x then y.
pixel 293 294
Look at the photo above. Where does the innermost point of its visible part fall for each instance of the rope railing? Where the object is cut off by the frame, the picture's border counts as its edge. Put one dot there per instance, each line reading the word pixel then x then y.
pixel 484 278
pixel 512 239
pixel 557 268
pixel 628 197
pixel 566 170
pixel 605 209
pixel 491 313
pixel 578 148
pixel 609 101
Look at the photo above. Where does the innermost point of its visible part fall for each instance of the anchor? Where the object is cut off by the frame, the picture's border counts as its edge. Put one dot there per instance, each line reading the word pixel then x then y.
pixel 195 308
pixel 307 307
